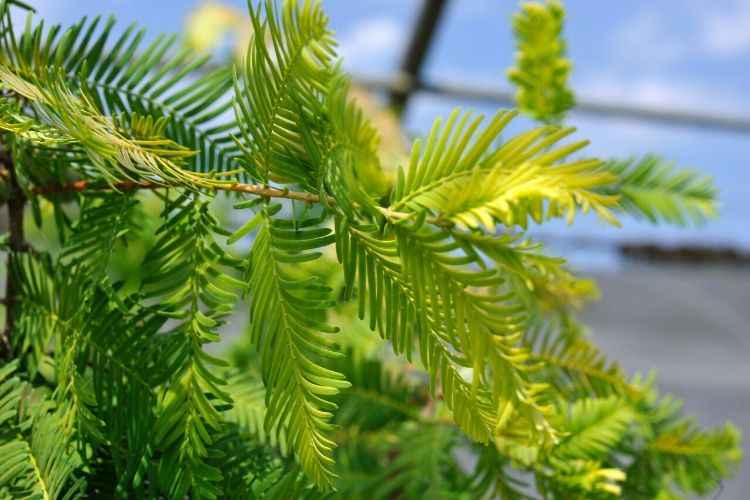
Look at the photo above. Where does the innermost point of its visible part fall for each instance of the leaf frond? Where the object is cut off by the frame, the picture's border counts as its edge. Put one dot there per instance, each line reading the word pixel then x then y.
pixel 188 273
pixel 594 427
pixel 293 340
pixel 386 295
pixel 653 189
pixel 104 223
pixel 114 153
pixel 280 91
pixel 575 365
pixel 463 180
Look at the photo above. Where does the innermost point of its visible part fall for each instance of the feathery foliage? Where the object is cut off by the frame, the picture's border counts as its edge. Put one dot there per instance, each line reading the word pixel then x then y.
pixel 405 336
pixel 541 71
pixel 653 189
pixel 282 86
pixel 114 154
pixel 473 184
pixel 288 326
pixel 184 272
pixel 124 76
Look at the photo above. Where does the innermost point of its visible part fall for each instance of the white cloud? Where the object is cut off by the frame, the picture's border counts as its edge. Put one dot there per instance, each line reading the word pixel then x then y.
pixel 727 32
pixel 623 137
pixel 372 41
pixel 660 92
pixel 640 91
pixel 656 36
pixel 648 40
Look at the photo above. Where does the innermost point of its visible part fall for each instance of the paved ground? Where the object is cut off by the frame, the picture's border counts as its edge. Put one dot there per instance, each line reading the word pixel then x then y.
pixel 693 324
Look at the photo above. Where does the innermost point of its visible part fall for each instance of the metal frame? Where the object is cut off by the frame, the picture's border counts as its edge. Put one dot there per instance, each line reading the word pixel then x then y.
pixel 406 86
pixel 408 81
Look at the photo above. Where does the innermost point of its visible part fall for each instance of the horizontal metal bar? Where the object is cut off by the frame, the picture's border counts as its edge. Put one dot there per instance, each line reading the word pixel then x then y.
pixel 671 117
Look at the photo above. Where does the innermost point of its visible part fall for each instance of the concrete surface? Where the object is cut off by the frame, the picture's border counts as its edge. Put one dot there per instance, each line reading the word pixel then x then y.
pixel 693 325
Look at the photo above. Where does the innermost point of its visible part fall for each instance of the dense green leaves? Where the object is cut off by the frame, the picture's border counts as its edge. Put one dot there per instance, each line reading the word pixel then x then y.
pixel 425 468
pixel 124 76
pixel 479 318
pixel 35 457
pixel 104 223
pixel 36 317
pixel 677 456
pixel 574 365
pixel 593 427
pixel 374 265
pixel 118 387
pixel 354 174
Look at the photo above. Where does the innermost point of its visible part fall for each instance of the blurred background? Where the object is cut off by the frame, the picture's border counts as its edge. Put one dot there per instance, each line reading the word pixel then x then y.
pixel 668 77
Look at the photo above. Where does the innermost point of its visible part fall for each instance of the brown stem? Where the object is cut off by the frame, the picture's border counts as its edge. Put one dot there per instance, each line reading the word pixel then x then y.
pixel 16 243
pixel 237 187
pixel 86 186
pixel 256 189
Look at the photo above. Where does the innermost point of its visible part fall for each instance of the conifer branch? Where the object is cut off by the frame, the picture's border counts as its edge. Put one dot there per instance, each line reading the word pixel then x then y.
pixel 111 328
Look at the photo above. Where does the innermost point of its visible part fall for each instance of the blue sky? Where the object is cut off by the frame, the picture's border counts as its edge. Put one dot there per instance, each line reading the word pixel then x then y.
pixel 689 54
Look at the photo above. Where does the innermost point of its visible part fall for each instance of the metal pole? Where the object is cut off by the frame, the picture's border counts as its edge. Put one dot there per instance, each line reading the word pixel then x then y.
pixel 416 52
